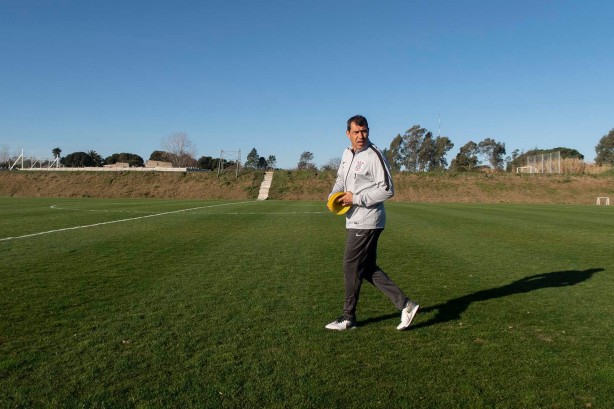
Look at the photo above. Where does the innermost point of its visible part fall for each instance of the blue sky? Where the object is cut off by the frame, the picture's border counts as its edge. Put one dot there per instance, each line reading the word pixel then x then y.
pixel 284 76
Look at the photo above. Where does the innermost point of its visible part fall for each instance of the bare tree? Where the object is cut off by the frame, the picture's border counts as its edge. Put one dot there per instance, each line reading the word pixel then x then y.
pixel 332 165
pixel 4 155
pixel 271 161
pixel 180 148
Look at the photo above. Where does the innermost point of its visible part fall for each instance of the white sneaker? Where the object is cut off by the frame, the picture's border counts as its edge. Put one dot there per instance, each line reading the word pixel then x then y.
pixel 407 315
pixel 342 323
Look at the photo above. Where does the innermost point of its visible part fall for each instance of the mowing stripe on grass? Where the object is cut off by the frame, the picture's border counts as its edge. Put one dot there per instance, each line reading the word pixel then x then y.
pixel 118 221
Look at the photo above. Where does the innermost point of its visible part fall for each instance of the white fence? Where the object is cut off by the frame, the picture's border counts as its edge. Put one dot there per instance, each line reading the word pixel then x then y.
pixel 102 169
pixel 543 163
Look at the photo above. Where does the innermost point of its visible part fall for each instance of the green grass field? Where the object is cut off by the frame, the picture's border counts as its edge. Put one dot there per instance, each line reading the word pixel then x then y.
pixel 159 303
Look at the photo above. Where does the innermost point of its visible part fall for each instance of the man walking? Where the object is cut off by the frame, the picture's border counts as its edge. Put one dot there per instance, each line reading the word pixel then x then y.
pixel 364 177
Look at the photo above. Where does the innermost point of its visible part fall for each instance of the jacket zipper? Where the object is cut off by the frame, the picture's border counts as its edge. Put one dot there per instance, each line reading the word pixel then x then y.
pixel 348 172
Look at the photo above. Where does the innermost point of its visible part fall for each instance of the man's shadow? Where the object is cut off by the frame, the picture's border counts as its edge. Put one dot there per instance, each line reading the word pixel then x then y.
pixel 451 310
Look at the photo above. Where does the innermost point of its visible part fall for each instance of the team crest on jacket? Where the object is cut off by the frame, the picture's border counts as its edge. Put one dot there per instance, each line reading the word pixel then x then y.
pixel 359 165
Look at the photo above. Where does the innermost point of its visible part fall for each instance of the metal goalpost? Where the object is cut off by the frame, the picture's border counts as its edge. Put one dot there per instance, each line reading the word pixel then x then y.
pixel 605 199
pixel 232 156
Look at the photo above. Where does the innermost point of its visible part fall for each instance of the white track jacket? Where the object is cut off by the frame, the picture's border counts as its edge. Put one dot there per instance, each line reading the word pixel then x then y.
pixel 366 174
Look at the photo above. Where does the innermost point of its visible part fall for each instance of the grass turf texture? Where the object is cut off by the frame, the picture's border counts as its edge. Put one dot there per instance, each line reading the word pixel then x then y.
pixel 225 306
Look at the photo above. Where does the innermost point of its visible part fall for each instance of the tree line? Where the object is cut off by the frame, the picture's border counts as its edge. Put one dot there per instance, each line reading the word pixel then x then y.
pixel 255 161
pixel 416 150
pixel 93 159
pixel 178 149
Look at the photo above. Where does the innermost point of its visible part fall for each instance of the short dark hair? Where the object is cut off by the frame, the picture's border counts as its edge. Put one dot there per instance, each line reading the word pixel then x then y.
pixel 359 120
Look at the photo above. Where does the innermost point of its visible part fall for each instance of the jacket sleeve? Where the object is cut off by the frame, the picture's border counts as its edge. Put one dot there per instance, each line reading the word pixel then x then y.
pixel 382 188
pixel 339 185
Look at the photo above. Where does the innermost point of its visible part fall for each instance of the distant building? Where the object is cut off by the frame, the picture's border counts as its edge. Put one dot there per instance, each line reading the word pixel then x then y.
pixel 121 165
pixel 158 164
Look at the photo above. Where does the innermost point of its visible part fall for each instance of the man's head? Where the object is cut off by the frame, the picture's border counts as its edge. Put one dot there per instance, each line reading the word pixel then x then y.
pixel 358 120
pixel 358 132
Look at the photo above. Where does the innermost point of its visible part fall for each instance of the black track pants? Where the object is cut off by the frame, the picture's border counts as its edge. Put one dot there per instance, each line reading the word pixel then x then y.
pixel 360 262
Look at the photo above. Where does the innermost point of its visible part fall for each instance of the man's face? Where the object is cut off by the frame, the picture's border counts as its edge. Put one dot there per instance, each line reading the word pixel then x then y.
pixel 359 136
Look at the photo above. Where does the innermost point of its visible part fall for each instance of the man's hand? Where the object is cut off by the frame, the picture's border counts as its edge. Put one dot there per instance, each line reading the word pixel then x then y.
pixel 346 199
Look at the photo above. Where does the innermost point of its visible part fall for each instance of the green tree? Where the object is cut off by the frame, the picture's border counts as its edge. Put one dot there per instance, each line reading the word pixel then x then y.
pixel 510 160
pixel 432 153
pixel 271 162
pixel 305 161
pixel 160 156
pixel 412 142
pixel 262 163
pixel 78 160
pixel 223 163
pixel 252 159
pixel 207 162
pixel 605 149
pixel 56 152
pixel 466 159
pixel 418 151
pixel 568 153
pixel 134 160
pixel 493 151
pixel 443 145
pixel 426 153
pixel 95 159
pixel 394 153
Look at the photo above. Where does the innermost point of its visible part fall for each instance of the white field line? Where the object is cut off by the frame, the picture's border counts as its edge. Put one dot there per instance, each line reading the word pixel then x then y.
pixel 116 221
pixel 58 207
pixel 320 212
pixel 251 213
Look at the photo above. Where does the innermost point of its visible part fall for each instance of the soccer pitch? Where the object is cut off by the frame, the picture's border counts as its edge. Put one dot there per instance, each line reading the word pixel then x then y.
pixel 169 303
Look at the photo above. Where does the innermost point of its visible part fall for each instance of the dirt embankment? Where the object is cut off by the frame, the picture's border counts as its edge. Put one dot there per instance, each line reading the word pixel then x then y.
pixel 472 187
pixel 308 185
pixel 162 185
pixel 505 188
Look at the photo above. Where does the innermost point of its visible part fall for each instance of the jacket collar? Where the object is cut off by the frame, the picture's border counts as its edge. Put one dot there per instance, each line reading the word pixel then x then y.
pixel 367 146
